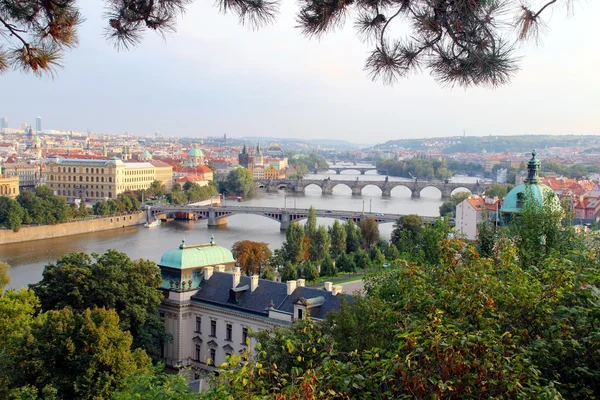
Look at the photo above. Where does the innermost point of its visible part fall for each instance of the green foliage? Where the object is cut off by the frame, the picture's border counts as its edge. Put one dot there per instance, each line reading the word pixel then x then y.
pixel 113 281
pixel 319 244
pixel 345 263
pixel 421 168
pixel 353 236
pixel 310 271
pixel 337 233
pixel 498 190
pixel 239 182
pixel 11 214
pixel 408 227
pixel 195 192
pixel 289 272
pixel 327 267
pixel 4 276
pixel 156 189
pixel 155 385
pixel 268 273
pixel 82 355
pixel 177 197
pixel 377 257
pixel 576 171
pixel 361 259
pixel 310 228
pixel 448 207
pixel 369 231
pixel 294 247
pixel 392 253
pixel 124 203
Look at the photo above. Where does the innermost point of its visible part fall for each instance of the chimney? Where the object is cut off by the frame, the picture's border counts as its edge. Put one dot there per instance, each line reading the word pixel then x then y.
pixel 236 276
pixel 329 286
pixel 219 268
pixel 301 282
pixel 337 289
pixel 291 286
pixel 253 282
pixel 208 271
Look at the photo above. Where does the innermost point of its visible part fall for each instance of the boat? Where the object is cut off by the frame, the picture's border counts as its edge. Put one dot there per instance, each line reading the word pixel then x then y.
pixel 152 224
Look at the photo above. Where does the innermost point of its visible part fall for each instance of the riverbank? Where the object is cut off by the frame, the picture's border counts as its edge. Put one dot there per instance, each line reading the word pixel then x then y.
pixel 40 232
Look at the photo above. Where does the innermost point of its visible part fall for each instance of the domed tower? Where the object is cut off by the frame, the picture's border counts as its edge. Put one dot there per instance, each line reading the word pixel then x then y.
pixel 145 156
pixel 258 156
pixel 195 156
pixel 531 189
pixel 37 146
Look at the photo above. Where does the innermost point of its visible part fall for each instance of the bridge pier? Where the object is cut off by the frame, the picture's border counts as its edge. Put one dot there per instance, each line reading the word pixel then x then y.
pixel 356 191
pixel 416 194
pixel 385 192
pixel 285 221
pixel 213 221
pixel 338 171
pixel 362 171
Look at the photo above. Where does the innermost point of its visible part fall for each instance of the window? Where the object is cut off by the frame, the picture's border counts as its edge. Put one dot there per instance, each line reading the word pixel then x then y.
pixel 199 324
pixel 228 335
pixel 244 335
pixel 213 328
pixel 299 313
pixel 213 354
pixel 197 352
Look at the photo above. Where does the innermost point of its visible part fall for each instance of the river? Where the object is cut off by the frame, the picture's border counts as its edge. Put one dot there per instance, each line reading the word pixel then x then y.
pixel 28 259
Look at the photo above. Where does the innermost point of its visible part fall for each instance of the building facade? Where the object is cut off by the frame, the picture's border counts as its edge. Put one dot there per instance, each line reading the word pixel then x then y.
pixel 9 185
pixel 210 310
pixel 95 180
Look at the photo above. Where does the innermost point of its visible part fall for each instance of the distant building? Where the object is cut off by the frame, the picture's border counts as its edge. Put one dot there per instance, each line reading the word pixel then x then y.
pixel 501 175
pixel 9 185
pixel 30 175
pixel 472 211
pixel 3 123
pixel 38 124
pixel 275 151
pixel 210 312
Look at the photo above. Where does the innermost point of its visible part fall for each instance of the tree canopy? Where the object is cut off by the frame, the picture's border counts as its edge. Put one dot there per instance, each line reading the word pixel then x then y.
pixel 459 43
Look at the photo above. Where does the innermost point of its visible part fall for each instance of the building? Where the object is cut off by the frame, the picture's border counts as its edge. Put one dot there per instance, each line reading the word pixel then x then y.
pixel 274 151
pixel 163 173
pixel 9 185
pixel 531 188
pixel 3 123
pixel 30 175
pixel 501 175
pixel 209 310
pixel 95 180
pixel 244 157
pixel 472 211
pixel 195 157
pixel 38 124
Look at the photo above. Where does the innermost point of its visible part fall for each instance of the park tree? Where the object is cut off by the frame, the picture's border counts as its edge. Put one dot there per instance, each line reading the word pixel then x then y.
pixel 251 257
pixel 310 271
pixel 353 236
pixel 113 281
pixel 310 228
pixel 458 43
pixel 177 197
pixel 406 230
pixel 4 275
pixel 156 189
pixel 239 182
pixel 370 231
pixel 338 239
pixel 11 214
pixel 361 259
pixel 268 273
pixel 498 190
pixel 327 267
pixel 289 272
pixel 392 253
pixel 345 263
pixel 319 245
pixel 156 385
pixel 294 247
pixel 377 257
pixel 80 355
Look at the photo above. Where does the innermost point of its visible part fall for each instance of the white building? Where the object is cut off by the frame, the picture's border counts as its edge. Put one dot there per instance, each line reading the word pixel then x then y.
pixel 210 312
pixel 470 213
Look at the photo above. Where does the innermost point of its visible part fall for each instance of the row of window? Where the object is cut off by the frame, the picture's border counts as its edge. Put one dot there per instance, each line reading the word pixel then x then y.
pixel 87 170
pixel 5 189
pixel 78 193
pixel 228 330
pixel 139 172
pixel 65 185
pixel 74 178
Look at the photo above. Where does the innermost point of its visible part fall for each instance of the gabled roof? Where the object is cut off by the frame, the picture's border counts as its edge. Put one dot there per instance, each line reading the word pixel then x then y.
pixel 216 291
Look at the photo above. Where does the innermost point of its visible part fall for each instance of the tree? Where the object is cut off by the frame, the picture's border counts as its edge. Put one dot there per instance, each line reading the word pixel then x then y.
pixel 42 31
pixel 251 257
pixel 353 237
pixel 81 355
pixel 361 259
pixel 327 267
pixel 294 246
pixel 345 263
pixel 310 228
pixel 377 258
pixel 4 276
pixel 408 228
pixel 449 206
pixel 239 181
pixel 113 281
pixel 338 239
pixel 370 231
pixel 498 190
pixel 319 245
pixel 11 214
pixel 392 253
pixel 310 271
pixel 177 197
pixel 268 273
pixel 156 385
pixel 289 272
pixel 156 189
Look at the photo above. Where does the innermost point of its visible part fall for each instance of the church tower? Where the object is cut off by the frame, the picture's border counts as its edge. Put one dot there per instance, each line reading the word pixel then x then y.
pixel 243 157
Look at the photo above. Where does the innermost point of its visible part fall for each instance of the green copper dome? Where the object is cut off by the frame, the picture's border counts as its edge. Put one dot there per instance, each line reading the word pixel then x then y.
pixel 202 255
pixel 532 188
pixel 37 139
pixel 195 152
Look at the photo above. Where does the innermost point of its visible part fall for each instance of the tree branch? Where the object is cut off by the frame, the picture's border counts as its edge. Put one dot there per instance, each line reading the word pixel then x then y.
pixel 14 31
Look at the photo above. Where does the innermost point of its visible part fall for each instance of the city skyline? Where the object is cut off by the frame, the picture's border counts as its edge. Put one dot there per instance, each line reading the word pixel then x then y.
pixel 277 83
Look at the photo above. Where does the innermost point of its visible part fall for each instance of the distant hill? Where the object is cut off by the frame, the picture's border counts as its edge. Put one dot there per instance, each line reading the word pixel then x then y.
pixel 493 144
pixel 293 142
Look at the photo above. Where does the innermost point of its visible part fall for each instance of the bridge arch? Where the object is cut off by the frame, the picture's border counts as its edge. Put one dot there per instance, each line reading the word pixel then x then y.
pixel 342 185
pixel 401 189
pixel 312 187
pixel 431 189
pixel 460 189
pixel 371 187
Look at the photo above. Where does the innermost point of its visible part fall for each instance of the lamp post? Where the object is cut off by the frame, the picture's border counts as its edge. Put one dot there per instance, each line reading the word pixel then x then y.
pixel 285 203
pixel 363 210
pixel 370 206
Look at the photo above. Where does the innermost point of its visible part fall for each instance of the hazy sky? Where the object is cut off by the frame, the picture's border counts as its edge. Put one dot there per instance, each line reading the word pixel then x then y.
pixel 214 76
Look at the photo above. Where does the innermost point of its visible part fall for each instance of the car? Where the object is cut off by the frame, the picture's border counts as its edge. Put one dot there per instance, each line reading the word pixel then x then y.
pixel 379 214
pixel 328 212
pixel 386 265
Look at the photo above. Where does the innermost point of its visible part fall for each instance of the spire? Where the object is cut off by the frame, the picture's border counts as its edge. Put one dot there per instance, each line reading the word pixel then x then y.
pixel 258 149
pixel 245 149
pixel 182 245
pixel 533 167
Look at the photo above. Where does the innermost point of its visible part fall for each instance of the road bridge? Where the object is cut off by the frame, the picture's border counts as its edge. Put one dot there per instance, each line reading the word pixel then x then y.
pixel 285 216
pixel 299 186
pixel 338 169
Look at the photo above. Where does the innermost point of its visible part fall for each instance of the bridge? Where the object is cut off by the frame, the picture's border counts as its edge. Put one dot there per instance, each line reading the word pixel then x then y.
pixel 338 170
pixel 299 185
pixel 218 215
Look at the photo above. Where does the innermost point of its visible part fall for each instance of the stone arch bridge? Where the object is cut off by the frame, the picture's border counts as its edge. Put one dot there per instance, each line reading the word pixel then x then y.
pixel 386 186
pixel 338 170
pixel 285 216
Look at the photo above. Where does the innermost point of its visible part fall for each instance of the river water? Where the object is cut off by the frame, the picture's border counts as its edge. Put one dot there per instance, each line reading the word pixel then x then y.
pixel 28 259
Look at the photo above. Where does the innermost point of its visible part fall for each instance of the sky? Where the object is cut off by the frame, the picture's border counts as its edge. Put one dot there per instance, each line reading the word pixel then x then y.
pixel 214 76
